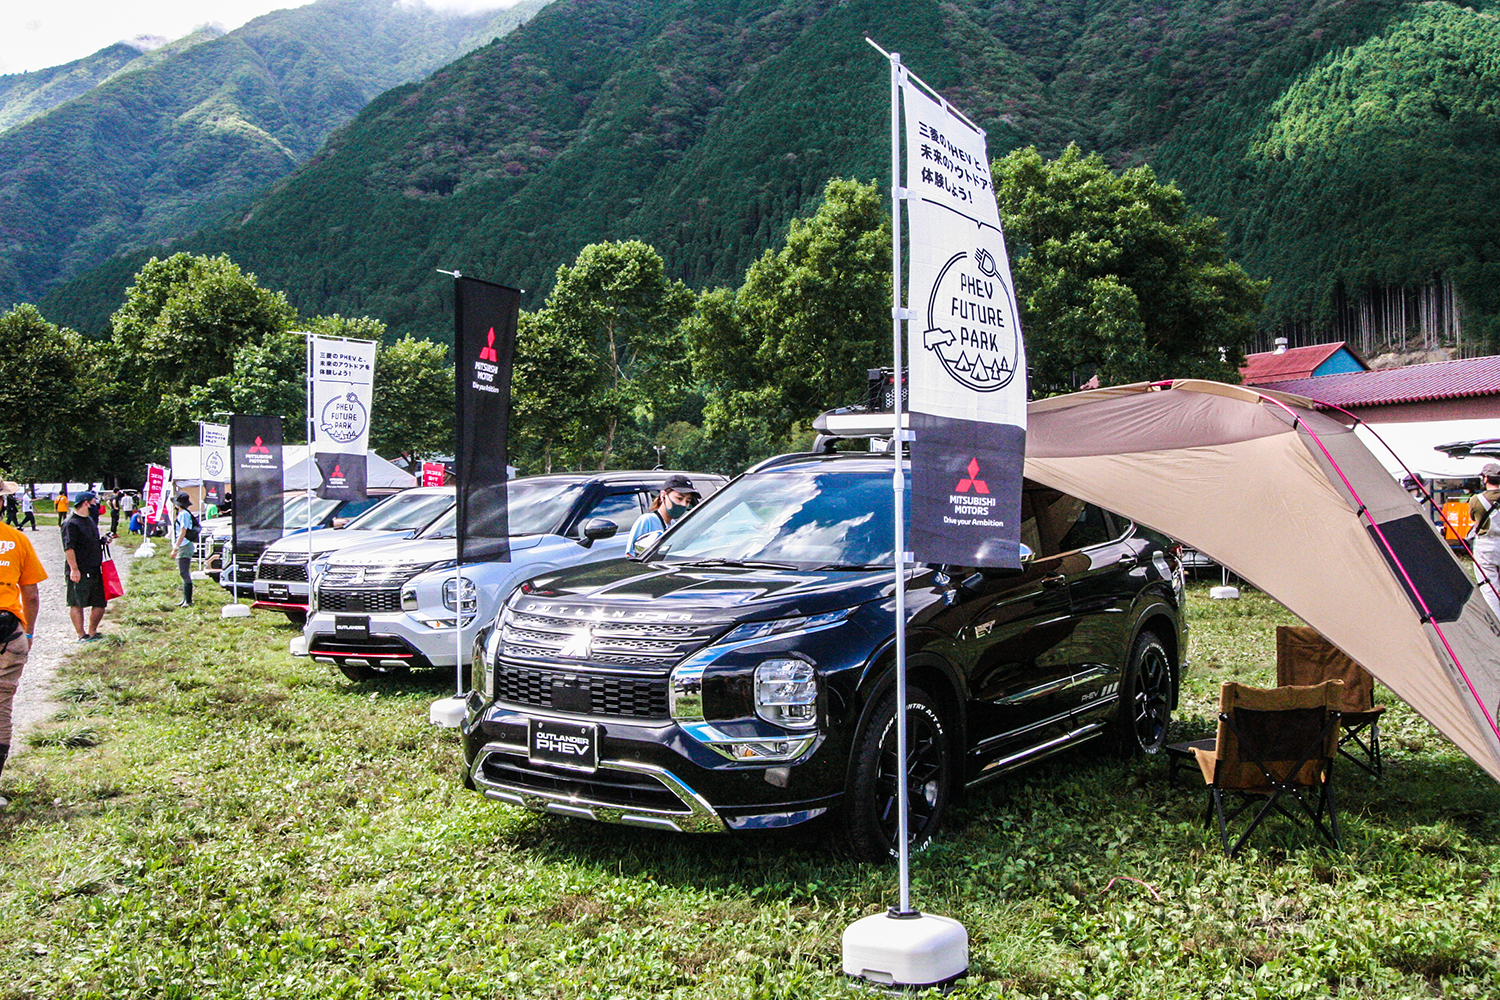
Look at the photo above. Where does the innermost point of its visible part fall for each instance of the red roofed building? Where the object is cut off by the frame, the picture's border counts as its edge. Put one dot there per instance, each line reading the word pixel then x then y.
pixel 1315 360
pixel 1414 408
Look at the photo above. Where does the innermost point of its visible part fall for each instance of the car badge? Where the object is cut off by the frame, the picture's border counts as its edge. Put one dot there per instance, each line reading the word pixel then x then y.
pixel 579 645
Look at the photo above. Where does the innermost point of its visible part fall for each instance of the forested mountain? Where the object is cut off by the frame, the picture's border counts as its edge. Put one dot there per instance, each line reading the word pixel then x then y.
pixel 1344 145
pixel 24 96
pixel 177 137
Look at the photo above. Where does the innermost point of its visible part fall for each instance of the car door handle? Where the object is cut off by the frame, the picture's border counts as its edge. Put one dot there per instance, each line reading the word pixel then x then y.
pixel 1053 581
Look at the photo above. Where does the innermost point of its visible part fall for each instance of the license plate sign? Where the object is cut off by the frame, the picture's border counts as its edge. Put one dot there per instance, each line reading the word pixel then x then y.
pixel 347 627
pixel 280 592
pixel 563 744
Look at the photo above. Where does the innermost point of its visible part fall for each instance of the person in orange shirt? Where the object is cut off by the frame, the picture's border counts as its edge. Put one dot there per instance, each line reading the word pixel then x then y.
pixel 20 572
pixel 60 504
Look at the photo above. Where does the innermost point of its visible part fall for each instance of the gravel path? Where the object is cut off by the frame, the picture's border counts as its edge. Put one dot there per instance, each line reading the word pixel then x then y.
pixel 54 638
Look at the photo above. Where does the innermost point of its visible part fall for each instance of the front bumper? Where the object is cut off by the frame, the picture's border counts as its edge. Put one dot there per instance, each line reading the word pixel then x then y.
pixel 397 637
pixel 650 773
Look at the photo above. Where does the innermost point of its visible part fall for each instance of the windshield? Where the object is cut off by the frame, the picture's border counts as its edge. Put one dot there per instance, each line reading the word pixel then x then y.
pixel 403 512
pixel 826 519
pixel 533 509
pixel 294 514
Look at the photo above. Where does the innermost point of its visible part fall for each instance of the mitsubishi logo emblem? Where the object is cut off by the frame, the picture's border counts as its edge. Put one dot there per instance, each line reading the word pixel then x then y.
pixel 259 448
pixel 977 484
pixel 579 645
pixel 487 352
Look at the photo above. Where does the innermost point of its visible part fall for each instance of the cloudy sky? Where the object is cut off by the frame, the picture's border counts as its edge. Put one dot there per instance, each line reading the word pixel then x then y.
pixel 39 33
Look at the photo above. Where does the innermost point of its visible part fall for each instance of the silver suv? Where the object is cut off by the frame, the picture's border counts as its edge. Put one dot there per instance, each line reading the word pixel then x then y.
pixel 281 572
pixel 385 607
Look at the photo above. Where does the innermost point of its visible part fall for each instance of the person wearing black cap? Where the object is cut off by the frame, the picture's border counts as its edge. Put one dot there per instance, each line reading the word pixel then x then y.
pixel 84 551
pixel 184 540
pixel 677 496
pixel 1486 537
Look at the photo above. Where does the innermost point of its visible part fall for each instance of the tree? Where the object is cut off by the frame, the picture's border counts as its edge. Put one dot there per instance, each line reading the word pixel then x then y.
pixel 617 307
pixel 44 395
pixel 809 321
pixel 413 400
pixel 268 376
pixel 181 323
pixel 553 388
pixel 1116 275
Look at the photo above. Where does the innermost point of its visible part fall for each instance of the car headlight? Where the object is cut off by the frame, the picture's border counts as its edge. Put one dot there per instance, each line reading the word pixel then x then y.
pixel 460 592
pixel 786 693
pixel 764 630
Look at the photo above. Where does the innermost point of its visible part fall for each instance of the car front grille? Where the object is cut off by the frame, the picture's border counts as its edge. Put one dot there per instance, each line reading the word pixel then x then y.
pixel 531 636
pixel 608 694
pixel 367 601
pixel 294 572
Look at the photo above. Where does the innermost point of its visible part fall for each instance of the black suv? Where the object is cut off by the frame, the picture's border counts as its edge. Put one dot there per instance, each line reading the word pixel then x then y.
pixel 739 675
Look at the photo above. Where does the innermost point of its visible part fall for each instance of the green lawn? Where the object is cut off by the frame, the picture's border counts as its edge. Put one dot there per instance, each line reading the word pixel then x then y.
pixel 213 818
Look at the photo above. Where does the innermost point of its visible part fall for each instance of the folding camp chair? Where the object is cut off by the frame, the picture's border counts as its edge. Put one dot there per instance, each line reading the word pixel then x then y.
pixel 1304 657
pixel 1273 744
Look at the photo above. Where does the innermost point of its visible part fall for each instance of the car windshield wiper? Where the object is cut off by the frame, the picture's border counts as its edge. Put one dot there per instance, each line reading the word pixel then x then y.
pixel 746 563
pixel 847 567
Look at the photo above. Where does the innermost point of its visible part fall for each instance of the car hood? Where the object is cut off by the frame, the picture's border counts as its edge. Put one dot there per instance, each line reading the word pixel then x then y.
pixel 330 541
pixel 428 550
pixel 683 593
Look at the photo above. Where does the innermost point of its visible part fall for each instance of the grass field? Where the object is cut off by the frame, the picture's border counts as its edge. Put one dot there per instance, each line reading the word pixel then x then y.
pixel 213 818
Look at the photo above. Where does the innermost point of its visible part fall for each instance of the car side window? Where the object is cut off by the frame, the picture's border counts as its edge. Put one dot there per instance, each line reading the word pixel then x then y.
pixel 1063 523
pixel 621 508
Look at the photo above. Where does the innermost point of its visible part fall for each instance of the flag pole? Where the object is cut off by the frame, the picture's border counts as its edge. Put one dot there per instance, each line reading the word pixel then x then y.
pixel 903 947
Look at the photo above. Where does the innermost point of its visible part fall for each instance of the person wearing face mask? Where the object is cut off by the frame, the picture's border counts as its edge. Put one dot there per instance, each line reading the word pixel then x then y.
pixel 676 497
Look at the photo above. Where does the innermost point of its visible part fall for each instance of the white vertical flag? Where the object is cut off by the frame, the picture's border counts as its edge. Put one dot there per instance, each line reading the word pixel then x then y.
pixel 213 451
pixel 340 393
pixel 967 361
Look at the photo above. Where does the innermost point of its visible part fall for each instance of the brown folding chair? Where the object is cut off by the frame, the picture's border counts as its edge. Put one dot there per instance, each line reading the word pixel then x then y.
pixel 1304 657
pixel 1273 744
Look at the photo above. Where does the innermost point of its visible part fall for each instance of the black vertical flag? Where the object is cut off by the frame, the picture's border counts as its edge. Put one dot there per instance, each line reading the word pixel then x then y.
pixel 484 339
pixel 256 476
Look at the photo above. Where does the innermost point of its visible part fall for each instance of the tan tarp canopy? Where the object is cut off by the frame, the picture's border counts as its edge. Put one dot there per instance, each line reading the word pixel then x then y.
pixel 1291 500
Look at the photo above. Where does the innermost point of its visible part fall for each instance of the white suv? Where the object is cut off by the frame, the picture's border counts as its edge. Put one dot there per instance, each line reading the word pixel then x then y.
pixel 281 572
pixel 385 607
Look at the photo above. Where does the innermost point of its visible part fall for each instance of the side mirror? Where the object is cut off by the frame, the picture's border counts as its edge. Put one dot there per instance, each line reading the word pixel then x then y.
pixel 597 527
pixel 645 542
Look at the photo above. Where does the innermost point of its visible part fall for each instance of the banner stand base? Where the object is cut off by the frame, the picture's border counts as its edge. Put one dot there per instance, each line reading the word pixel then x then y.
pixel 905 951
pixel 235 611
pixel 298 646
pixel 448 713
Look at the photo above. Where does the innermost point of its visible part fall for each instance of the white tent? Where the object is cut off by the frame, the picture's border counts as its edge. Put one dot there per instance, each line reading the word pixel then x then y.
pixel 298 467
pixel 301 471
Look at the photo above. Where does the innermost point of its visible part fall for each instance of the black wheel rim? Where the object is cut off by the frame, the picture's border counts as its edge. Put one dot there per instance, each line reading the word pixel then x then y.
pixel 927 777
pixel 1152 693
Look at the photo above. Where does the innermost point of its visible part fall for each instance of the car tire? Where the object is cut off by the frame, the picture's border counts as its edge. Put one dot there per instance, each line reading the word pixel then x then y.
pixel 359 672
pixel 1145 708
pixel 298 618
pixel 868 830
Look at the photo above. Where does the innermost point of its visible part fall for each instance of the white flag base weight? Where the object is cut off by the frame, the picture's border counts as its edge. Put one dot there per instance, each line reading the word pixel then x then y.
pixel 447 712
pixel 1224 593
pixel 298 646
pixel 235 611
pixel 906 951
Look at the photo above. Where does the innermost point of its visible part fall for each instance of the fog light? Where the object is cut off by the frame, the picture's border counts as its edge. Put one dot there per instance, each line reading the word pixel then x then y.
pixel 786 693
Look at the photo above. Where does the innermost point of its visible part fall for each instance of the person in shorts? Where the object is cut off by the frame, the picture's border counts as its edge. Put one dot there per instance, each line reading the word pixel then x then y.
pixel 84 550
pixel 20 572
